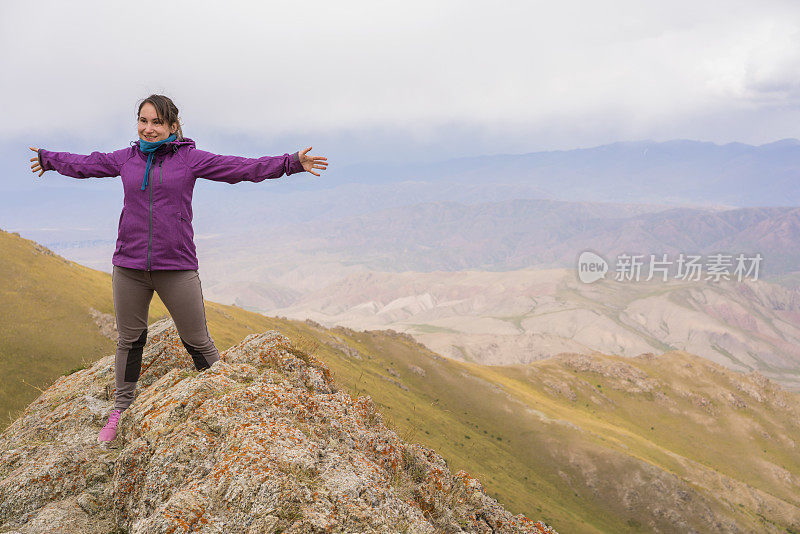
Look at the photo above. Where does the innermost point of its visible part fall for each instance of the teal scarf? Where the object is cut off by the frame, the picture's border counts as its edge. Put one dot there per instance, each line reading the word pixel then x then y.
pixel 150 147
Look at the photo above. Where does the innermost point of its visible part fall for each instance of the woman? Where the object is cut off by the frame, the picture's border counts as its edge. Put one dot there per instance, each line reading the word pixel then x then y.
pixel 155 247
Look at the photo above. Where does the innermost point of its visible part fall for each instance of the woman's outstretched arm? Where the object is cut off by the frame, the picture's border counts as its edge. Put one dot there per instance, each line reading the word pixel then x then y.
pixel 96 164
pixel 234 169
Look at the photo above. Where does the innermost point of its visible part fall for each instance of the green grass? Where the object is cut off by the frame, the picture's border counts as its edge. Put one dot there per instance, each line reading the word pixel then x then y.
pixel 432 329
pixel 76 369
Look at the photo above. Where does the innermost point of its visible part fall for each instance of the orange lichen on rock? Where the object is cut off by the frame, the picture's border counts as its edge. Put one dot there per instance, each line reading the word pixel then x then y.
pixel 261 442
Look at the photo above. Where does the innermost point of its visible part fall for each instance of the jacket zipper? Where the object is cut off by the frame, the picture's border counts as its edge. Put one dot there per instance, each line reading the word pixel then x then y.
pixel 150 225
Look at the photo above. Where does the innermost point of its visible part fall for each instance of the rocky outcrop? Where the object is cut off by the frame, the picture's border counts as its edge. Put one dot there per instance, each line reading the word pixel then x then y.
pixel 261 442
pixel 624 376
pixel 106 322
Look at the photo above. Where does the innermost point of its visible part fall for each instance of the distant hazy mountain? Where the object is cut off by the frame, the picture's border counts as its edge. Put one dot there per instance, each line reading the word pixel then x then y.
pixel 522 233
pixel 504 318
pixel 673 173
pixel 497 236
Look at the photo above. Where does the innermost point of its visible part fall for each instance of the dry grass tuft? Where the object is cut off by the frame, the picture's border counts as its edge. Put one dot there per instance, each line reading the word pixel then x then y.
pixel 303 346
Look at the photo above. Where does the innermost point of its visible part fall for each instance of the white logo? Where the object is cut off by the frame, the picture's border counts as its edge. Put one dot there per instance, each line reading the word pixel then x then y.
pixel 591 267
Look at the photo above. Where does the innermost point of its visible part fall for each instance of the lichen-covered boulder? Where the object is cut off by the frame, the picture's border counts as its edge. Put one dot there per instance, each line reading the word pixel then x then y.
pixel 261 442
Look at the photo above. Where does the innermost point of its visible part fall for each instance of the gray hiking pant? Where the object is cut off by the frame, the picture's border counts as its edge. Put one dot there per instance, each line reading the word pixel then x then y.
pixel 181 293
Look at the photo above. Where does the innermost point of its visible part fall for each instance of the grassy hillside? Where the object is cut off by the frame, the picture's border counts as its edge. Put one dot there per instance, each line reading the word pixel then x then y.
pixel 47 327
pixel 593 443
pixel 588 444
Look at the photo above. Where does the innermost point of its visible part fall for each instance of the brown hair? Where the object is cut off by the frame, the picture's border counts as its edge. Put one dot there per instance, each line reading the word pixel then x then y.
pixel 166 109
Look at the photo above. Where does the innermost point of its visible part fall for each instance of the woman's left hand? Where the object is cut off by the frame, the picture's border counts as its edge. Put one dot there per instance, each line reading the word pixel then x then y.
pixel 312 162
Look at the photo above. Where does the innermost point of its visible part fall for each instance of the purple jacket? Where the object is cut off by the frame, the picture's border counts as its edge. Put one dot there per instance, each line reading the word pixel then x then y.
pixel 155 226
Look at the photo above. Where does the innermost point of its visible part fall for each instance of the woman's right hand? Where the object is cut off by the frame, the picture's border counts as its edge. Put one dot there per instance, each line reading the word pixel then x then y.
pixel 37 165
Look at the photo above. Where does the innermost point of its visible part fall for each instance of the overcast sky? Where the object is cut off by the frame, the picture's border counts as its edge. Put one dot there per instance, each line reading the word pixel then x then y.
pixel 374 80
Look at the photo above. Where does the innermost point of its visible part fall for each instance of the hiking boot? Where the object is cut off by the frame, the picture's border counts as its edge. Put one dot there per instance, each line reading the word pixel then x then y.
pixel 109 432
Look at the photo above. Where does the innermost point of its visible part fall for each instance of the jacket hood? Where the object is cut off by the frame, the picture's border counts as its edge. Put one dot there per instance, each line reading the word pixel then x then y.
pixel 174 144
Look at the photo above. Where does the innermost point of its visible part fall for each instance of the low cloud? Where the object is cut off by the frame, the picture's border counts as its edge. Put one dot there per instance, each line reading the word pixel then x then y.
pixel 504 76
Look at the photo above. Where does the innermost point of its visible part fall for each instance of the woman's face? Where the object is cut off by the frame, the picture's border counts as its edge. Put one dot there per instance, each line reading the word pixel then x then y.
pixel 152 128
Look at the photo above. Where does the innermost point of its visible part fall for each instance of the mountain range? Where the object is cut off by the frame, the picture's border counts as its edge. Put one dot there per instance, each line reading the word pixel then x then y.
pixel 678 173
